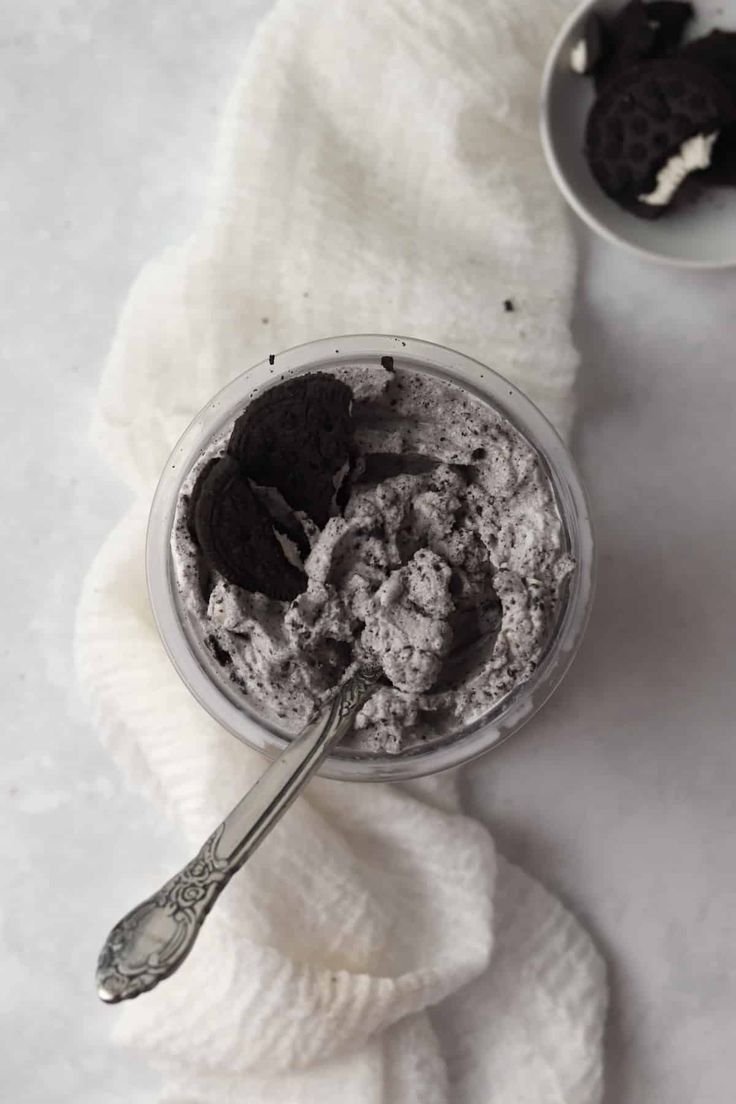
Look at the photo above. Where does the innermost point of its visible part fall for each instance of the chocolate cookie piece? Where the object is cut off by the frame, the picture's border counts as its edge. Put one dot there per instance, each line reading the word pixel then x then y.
pixel 722 169
pixel 236 536
pixel 642 119
pixel 283 519
pixel 590 48
pixel 670 17
pixel 638 32
pixel 716 52
pixel 296 437
pixel 629 39
pixel 204 571
pixel 194 496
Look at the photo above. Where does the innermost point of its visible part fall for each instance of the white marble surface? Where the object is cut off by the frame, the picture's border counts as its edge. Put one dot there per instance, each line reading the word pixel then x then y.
pixel 621 796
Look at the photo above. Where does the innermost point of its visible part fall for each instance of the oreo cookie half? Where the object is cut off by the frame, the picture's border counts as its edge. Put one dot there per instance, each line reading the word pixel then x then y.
pixel 590 48
pixel 630 38
pixel 638 32
pixel 195 495
pixel 642 120
pixel 722 169
pixel 236 537
pixel 716 52
pixel 669 17
pixel 296 437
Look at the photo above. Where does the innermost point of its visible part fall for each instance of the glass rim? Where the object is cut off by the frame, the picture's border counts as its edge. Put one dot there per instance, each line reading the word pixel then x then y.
pixel 195 666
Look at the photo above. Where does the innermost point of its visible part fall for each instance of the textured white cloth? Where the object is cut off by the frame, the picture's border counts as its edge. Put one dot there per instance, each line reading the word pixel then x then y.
pixel 378 171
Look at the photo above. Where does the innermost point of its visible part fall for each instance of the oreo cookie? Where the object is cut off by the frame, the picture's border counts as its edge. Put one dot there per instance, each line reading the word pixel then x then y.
pixel 195 495
pixel 638 32
pixel 235 534
pixel 296 437
pixel 669 19
pixel 642 119
pixel 722 169
pixel 590 48
pixel 717 53
pixel 629 38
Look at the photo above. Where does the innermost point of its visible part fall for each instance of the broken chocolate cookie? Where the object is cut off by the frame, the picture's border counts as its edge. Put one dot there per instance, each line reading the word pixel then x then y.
pixel 296 437
pixel 236 537
pixel 651 127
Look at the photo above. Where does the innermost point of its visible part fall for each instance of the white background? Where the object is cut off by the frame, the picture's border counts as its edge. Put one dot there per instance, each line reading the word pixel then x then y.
pixel 620 797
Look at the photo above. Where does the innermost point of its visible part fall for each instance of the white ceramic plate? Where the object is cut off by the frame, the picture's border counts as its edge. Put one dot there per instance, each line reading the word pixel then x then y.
pixel 703 235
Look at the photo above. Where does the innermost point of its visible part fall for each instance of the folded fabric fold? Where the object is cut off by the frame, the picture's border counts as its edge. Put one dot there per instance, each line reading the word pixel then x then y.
pixel 378 170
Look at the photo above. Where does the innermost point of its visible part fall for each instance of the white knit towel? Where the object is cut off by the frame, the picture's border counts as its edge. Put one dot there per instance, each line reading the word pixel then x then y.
pixel 378 171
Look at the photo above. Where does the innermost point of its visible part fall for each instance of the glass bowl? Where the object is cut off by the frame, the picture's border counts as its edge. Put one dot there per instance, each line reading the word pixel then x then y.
pixel 192 659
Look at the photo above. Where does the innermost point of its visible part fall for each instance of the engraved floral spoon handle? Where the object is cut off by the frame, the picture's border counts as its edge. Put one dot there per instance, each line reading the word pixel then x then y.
pixel 153 940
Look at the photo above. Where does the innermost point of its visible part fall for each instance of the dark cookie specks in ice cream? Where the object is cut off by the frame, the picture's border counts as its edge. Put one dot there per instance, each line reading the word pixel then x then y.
pixel 447 557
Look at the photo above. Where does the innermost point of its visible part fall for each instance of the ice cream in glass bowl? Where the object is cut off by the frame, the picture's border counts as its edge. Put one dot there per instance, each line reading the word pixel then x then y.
pixel 371 495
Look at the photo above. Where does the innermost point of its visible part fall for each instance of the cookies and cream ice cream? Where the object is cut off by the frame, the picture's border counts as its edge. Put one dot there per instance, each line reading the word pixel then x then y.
pixel 438 547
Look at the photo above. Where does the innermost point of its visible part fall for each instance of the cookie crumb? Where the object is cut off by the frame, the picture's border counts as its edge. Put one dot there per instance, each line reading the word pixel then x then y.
pixel 508 305
pixel 221 654
pixel 387 362
pixel 271 359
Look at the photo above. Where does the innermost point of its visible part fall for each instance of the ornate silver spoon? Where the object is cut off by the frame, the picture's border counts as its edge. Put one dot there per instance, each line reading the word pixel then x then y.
pixel 152 940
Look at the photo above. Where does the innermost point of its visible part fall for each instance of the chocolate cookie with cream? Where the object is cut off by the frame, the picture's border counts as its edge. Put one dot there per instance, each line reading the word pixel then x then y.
pixel 296 437
pixel 652 127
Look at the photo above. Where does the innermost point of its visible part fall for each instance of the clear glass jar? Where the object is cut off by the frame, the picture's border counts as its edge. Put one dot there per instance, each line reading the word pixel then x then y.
pixel 192 659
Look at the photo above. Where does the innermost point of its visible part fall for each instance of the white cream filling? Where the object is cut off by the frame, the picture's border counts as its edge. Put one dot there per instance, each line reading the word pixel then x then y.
pixel 579 57
pixel 289 549
pixel 694 154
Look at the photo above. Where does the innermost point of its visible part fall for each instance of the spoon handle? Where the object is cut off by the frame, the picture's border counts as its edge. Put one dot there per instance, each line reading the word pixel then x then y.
pixel 152 940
